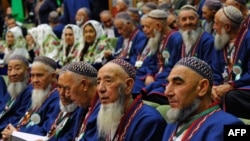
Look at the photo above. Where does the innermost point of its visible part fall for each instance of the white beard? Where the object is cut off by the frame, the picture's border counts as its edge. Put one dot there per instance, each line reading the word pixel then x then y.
pixel 190 38
pixel 79 23
pixel 16 88
pixel 221 40
pixel 154 42
pixel 38 96
pixel 68 108
pixel 109 116
pixel 176 115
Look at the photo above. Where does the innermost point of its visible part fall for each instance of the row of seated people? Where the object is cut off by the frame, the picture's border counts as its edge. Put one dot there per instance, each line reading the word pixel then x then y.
pixel 77 102
pixel 155 52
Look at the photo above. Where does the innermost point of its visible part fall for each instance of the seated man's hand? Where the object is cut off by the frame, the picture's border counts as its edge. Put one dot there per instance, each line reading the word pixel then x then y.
pixel 149 79
pixel 6 133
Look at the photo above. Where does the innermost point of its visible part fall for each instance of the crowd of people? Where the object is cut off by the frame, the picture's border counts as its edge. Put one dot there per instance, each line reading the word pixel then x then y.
pixel 83 73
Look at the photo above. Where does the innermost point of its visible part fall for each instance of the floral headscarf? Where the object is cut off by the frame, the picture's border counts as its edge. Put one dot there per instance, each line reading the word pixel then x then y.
pixel 18 37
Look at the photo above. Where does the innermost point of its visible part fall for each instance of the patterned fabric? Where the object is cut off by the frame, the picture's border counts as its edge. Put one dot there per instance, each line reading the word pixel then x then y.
pixel 21 58
pixel 47 41
pixel 82 68
pixel 101 44
pixel 46 60
pixel 157 14
pixel 130 70
pixel 199 66
pixel 233 14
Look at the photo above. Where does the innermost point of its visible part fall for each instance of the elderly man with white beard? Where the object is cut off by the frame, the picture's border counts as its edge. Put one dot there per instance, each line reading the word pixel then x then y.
pixel 65 124
pixel 193 116
pixel 232 62
pixel 120 116
pixel 18 97
pixel 44 106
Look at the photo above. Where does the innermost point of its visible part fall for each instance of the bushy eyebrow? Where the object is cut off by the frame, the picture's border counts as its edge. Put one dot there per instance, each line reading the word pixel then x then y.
pixel 176 78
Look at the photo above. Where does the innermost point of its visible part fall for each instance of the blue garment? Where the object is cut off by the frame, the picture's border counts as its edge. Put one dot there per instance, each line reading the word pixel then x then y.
pixel 204 50
pixel 90 133
pixel 3 89
pixel 70 9
pixel 150 64
pixel 48 113
pixel 68 131
pixel 17 110
pixel 141 123
pixel 137 46
pixel 211 130
pixel 242 61
pixel 58 29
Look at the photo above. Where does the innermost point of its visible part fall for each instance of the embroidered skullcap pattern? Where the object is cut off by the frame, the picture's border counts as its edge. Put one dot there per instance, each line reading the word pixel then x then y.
pixel 82 68
pixel 213 4
pixel 129 69
pixel 188 7
pixel 157 14
pixel 233 14
pixel 244 2
pixel 21 58
pixel 199 66
pixel 123 15
pixel 46 60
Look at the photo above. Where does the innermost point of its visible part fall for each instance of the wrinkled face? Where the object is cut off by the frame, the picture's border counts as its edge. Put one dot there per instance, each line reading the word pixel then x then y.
pixel 188 20
pixel 89 34
pixel 81 16
pixel 217 26
pixel 106 20
pixel 74 88
pixel 182 87
pixel 16 71
pixel 123 27
pixel 148 26
pixel 63 88
pixel 41 78
pixel 207 14
pixel 69 36
pixel 10 39
pixel 109 79
pixel 11 23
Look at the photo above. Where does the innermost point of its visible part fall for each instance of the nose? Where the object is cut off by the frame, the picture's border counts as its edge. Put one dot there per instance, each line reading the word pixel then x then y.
pixel 101 88
pixel 168 90
pixel 12 72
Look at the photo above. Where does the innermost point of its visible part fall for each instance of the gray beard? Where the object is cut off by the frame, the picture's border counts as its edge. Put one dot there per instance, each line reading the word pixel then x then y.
pixel 68 108
pixel 109 116
pixel 16 88
pixel 190 38
pixel 38 96
pixel 220 41
pixel 154 42
pixel 178 115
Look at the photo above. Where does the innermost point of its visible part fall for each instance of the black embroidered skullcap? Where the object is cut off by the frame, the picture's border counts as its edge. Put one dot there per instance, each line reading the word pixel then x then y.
pixel 244 2
pixel 233 14
pixel 126 66
pixel 46 60
pixel 157 14
pixel 20 58
pixel 199 66
pixel 213 4
pixel 82 68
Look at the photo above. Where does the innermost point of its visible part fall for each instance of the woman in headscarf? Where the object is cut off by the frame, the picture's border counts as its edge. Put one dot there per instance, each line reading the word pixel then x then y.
pixel 71 39
pixel 31 44
pixel 95 43
pixel 14 45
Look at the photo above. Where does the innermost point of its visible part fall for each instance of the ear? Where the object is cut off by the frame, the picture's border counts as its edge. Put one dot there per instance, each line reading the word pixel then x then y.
pixel 85 84
pixel 129 85
pixel 203 87
pixel 227 27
